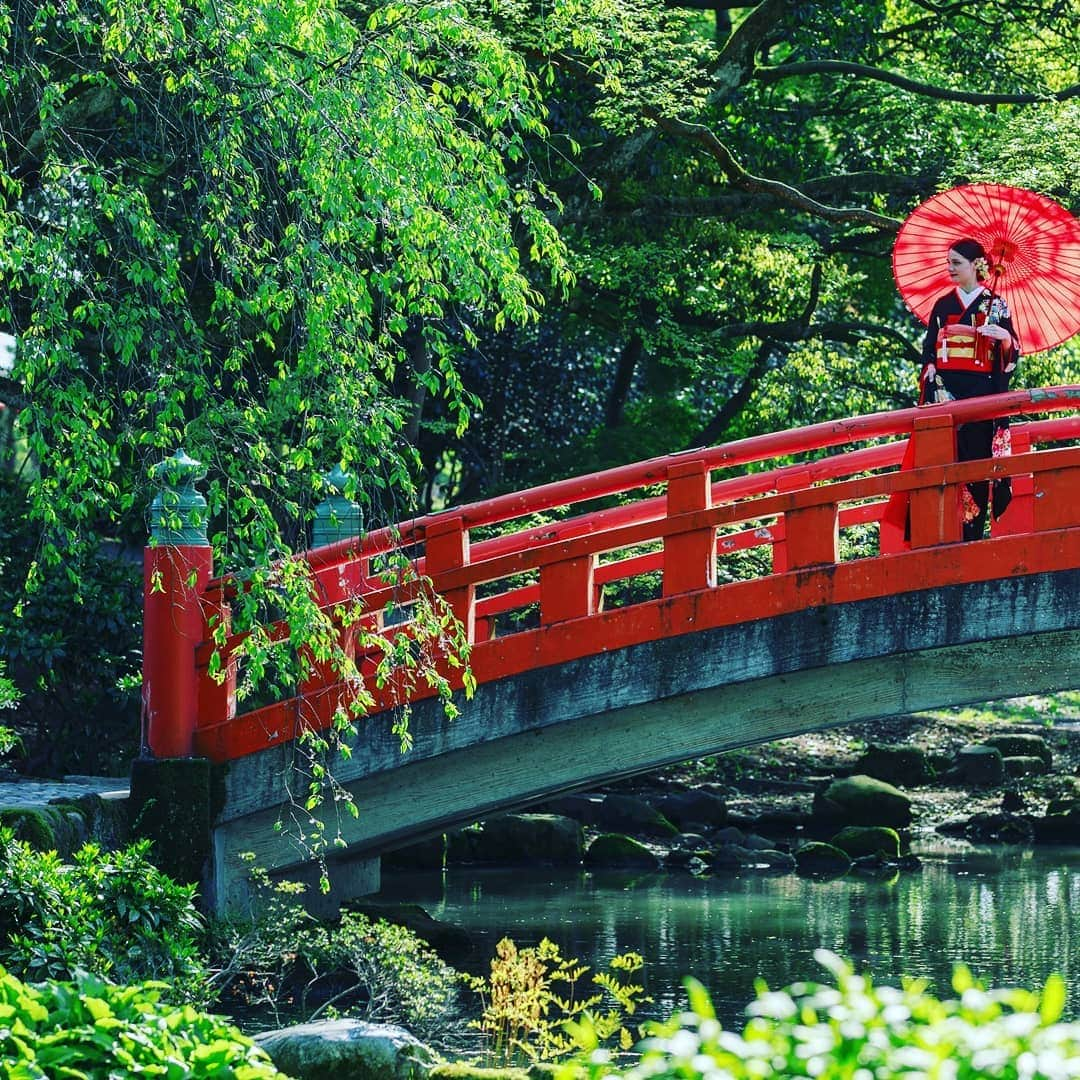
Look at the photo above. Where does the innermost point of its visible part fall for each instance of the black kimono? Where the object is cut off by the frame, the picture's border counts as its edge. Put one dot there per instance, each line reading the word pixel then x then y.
pixel 972 440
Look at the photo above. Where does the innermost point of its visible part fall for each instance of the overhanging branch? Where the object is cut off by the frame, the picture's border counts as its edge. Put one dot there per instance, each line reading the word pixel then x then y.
pixel 941 93
pixel 741 178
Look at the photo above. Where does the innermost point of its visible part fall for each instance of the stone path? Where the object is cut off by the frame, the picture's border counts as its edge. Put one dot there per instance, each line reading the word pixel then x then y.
pixel 42 792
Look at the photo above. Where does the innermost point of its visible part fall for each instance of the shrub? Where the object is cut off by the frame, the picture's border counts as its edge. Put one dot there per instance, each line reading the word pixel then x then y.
pixel 854 1029
pixel 90 1028
pixel 298 969
pixel 112 914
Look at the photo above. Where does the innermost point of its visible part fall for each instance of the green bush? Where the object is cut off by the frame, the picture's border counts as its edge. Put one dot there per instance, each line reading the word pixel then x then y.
pixel 88 1028
pixel 296 969
pixel 853 1030
pixel 112 914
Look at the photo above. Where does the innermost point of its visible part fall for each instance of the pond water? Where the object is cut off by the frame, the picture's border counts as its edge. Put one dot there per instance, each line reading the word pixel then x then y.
pixel 1012 915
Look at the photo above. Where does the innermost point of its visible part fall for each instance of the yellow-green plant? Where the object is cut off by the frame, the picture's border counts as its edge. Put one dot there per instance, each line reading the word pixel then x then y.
pixel 526 1018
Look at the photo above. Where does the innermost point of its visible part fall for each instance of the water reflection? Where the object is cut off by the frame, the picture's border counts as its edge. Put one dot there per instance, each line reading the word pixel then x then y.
pixel 1007 913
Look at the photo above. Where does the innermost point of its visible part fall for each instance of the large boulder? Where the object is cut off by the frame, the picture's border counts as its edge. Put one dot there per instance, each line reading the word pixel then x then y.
pixel 347 1050
pixel 626 813
pixel 862 800
pixel 616 850
pixel 859 840
pixel 1063 828
pixel 694 809
pixel 584 808
pixel 999 828
pixel 59 828
pixel 979 764
pixel 781 822
pixel 896 765
pixel 519 838
pixel 736 857
pixel 1021 745
pixel 1024 765
pixel 818 859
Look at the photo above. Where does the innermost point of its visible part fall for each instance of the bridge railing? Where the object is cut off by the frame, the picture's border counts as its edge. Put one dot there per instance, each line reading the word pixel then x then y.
pixel 672 521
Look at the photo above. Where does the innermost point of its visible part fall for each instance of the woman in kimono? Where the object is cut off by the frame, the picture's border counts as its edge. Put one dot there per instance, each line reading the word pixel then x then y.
pixel 957 365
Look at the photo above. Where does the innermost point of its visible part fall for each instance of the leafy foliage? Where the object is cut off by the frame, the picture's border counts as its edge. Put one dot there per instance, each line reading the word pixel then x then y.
pixel 111 914
pixel 735 277
pixel 526 1018
pixel 853 1028
pixel 262 231
pixel 297 969
pixel 74 652
pixel 8 694
pixel 89 1028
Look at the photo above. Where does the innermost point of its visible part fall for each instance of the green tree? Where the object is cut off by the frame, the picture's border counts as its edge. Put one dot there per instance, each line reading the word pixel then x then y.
pixel 736 277
pixel 258 230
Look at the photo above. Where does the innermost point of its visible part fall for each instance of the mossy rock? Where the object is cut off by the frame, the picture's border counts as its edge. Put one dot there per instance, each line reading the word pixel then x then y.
pixel 617 850
pixel 817 858
pixel 524 839
pixel 859 840
pixel 694 808
pixel 863 800
pixel 1024 765
pixel 631 814
pixel 979 764
pixel 1058 828
pixel 896 764
pixel 1021 745
pixel 347 1049
pixel 107 819
pixel 59 828
pixel 999 828
pixel 462 1070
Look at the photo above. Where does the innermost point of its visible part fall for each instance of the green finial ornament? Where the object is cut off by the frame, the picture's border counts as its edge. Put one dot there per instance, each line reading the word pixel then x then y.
pixel 336 518
pixel 178 512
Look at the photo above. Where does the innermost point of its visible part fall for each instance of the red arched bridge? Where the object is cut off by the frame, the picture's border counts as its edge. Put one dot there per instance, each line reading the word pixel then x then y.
pixel 827 632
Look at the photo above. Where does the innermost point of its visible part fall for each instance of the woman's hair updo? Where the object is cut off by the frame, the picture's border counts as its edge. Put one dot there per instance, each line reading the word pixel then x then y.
pixel 975 253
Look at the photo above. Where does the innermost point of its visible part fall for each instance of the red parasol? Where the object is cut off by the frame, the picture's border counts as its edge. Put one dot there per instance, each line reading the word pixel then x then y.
pixel 1033 245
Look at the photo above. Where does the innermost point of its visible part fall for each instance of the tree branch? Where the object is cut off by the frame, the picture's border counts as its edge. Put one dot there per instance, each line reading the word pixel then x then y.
pixel 735 404
pixel 735 64
pixel 740 178
pixel 941 93
pixel 730 204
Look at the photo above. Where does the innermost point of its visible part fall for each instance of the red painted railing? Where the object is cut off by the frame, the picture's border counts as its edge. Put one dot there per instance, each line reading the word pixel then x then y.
pixel 794 512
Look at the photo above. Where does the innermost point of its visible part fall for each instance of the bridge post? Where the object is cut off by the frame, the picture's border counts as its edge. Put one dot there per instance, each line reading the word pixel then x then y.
pixel 177 564
pixel 935 512
pixel 690 557
pixel 446 547
pixel 170 788
pixel 337 518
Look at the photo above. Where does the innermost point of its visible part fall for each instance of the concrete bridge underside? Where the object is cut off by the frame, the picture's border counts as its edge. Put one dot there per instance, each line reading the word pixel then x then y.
pixel 580 724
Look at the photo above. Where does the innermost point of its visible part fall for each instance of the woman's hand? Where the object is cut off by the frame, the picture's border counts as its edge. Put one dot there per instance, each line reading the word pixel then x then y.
pixel 998 333
pixel 929 373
